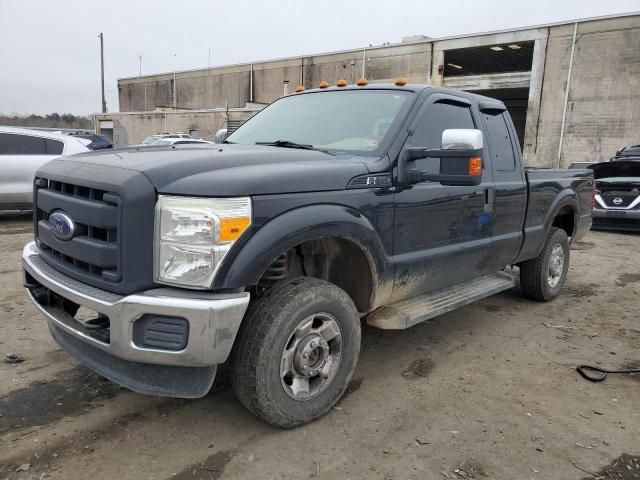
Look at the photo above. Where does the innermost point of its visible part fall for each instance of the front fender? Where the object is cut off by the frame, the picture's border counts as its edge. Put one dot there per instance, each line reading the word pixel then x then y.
pixel 243 266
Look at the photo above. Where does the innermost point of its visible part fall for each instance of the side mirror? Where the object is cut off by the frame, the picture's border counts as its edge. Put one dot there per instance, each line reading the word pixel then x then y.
pixel 460 157
pixel 220 136
pixel 462 139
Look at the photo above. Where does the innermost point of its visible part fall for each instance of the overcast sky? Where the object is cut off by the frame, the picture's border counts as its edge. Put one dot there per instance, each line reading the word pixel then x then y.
pixel 49 50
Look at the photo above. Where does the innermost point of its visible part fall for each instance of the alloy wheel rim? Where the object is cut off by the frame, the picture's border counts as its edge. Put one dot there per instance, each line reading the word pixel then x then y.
pixel 556 266
pixel 311 357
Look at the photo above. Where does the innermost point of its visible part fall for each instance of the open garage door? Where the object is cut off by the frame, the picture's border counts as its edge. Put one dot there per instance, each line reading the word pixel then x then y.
pixel 498 71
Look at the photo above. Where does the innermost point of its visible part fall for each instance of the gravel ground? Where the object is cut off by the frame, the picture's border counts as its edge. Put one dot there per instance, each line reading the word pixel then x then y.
pixel 488 391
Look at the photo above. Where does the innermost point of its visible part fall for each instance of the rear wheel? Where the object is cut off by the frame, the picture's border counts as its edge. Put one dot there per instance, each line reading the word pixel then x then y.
pixel 296 351
pixel 543 277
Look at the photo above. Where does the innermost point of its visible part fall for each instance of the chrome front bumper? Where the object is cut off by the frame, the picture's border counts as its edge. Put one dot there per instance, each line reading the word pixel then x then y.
pixel 214 320
pixel 613 213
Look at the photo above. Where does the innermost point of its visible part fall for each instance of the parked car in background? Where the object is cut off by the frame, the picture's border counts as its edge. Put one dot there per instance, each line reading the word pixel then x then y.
pixel 632 151
pixel 153 138
pixel 22 152
pixel 617 200
pixel 96 142
pixel 221 135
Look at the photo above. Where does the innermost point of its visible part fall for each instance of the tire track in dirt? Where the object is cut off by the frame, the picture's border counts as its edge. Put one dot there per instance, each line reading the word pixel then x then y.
pixel 70 393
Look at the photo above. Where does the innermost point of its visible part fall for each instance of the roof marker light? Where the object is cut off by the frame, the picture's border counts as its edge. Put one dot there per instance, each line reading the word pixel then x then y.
pixel 514 46
pixel 454 66
pixel 362 82
pixel 323 84
pixel 299 89
pixel 400 81
pixel 496 48
pixel 342 83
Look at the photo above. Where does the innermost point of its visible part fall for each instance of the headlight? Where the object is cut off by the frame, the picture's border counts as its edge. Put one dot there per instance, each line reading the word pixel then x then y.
pixel 192 235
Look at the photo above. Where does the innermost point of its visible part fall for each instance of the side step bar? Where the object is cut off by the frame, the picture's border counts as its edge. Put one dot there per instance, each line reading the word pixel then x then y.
pixel 407 313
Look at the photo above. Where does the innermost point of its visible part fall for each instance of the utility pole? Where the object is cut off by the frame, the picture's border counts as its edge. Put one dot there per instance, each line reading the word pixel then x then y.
pixel 140 65
pixel 104 101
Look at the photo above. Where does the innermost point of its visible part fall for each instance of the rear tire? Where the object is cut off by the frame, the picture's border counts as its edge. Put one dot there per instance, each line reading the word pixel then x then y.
pixel 296 351
pixel 543 277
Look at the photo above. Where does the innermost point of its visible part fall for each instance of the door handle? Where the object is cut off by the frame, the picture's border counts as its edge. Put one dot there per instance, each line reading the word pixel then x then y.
pixel 489 199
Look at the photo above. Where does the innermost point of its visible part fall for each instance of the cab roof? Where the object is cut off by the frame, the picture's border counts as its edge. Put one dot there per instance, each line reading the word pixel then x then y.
pixel 486 102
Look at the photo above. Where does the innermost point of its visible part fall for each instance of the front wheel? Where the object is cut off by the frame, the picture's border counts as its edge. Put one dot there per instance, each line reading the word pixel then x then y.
pixel 543 277
pixel 296 351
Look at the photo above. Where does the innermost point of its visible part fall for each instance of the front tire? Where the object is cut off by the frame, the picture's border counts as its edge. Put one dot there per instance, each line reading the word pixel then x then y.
pixel 543 277
pixel 296 351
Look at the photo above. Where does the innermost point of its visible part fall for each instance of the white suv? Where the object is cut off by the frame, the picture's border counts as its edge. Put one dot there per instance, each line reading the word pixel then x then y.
pixel 22 152
pixel 160 136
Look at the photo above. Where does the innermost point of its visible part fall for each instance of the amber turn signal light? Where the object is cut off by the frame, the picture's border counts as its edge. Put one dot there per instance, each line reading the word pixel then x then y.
pixel 475 166
pixel 232 228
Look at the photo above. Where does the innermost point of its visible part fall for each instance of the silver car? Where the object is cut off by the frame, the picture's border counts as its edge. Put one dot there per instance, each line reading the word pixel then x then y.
pixel 22 152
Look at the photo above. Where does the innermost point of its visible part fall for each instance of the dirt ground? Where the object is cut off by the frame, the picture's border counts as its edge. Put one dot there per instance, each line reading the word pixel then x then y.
pixel 488 391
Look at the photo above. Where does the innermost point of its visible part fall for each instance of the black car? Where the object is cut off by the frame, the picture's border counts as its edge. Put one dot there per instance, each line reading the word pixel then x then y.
pixel 632 151
pixel 617 200
pixel 98 142
pixel 395 203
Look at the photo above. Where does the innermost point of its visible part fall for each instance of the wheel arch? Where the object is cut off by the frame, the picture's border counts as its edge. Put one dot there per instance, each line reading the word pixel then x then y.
pixel 338 232
pixel 564 213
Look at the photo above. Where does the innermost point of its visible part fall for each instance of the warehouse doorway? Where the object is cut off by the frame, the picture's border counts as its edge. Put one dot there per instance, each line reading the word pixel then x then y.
pixel 105 127
pixel 501 71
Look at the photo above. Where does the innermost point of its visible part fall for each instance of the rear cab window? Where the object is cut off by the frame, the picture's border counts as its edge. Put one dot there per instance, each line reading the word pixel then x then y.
pixel 502 154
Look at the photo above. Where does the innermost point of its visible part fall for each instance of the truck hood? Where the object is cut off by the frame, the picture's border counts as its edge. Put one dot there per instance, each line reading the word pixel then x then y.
pixel 230 170
pixel 617 168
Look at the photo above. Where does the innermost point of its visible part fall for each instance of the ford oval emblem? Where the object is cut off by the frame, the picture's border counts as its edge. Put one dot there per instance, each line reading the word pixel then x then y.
pixel 61 225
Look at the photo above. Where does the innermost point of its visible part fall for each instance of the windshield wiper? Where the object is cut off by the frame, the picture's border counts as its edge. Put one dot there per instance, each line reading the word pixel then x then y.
pixel 290 144
pixel 287 144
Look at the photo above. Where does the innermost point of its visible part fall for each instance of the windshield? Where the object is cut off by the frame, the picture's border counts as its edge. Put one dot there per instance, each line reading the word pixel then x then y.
pixel 150 139
pixel 162 142
pixel 350 121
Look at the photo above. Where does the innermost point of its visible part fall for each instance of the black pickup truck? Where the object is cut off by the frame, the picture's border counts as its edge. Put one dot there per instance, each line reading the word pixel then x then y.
pixel 389 203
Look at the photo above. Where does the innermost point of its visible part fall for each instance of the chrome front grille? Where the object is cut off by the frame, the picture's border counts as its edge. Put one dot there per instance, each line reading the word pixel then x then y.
pixel 619 199
pixel 94 250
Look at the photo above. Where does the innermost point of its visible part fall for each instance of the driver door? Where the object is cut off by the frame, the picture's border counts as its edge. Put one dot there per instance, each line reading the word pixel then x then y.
pixel 441 233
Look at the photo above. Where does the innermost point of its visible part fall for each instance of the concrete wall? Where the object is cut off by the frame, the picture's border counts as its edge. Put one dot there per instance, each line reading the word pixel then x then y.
pixel 132 128
pixel 231 86
pixel 603 108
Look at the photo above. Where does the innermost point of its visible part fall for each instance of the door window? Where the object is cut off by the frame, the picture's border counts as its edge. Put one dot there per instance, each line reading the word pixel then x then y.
pixel 16 144
pixel 437 118
pixel 503 157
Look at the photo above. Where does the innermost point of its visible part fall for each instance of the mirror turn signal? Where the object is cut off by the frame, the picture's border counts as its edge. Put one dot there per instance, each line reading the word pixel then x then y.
pixel 475 166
